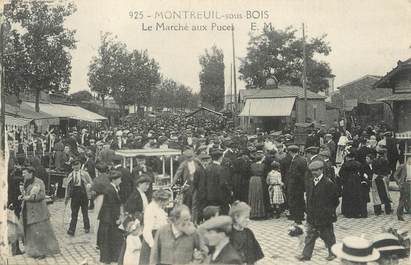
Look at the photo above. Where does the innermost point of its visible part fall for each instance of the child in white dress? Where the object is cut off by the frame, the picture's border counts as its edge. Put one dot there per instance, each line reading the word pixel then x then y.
pixel 133 243
pixel 275 189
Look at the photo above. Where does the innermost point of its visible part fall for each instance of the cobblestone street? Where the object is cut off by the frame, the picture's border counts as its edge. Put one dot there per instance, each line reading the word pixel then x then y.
pixel 278 247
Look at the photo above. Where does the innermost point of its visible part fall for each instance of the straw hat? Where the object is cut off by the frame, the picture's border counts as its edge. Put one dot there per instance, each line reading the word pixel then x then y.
pixel 355 249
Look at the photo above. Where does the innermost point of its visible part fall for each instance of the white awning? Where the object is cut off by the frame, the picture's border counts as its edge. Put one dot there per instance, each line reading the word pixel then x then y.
pixel 69 111
pixel 16 121
pixel 268 107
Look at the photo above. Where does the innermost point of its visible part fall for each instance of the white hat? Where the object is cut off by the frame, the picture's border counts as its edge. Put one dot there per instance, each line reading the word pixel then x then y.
pixel 355 249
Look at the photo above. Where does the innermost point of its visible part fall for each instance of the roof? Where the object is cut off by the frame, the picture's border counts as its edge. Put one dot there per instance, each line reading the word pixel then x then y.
pixel 204 109
pixel 26 111
pixel 385 80
pixel 68 111
pixel 268 107
pixel 397 97
pixel 373 78
pixel 280 92
pixel 16 121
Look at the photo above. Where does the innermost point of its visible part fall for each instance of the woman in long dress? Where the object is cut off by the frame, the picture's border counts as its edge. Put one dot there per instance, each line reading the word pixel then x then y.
pixel 256 191
pixel 341 149
pixel 39 237
pixel 351 177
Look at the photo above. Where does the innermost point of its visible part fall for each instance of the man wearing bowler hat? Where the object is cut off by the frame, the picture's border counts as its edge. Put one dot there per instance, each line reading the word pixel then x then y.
pixel 78 187
pixel 322 200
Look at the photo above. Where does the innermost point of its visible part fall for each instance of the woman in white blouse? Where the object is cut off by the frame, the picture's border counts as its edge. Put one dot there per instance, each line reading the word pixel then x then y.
pixel 154 218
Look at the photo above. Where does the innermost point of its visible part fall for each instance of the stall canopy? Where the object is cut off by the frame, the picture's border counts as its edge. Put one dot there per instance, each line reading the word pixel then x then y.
pixel 69 111
pixel 268 107
pixel 25 111
pixel 16 121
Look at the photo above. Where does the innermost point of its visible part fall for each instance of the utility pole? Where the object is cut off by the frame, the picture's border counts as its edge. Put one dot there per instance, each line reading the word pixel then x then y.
pixel 231 85
pixel 304 77
pixel 2 92
pixel 234 73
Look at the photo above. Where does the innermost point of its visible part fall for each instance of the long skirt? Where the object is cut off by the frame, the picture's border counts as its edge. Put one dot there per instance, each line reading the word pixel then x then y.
pixel 39 239
pixel 145 251
pixel 256 198
pixel 109 240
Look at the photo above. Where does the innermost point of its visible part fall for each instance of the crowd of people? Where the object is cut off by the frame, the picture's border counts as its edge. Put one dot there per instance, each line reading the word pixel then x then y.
pixel 226 177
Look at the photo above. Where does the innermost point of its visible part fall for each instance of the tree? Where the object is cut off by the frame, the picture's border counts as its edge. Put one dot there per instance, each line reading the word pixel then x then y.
pixel 128 77
pixel 82 95
pixel 37 47
pixel 212 78
pixel 170 94
pixel 102 74
pixel 282 51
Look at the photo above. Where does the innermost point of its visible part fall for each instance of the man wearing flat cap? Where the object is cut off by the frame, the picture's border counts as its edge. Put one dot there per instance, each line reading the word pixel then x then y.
pixel 78 189
pixel 322 201
pixel 295 185
pixel 216 232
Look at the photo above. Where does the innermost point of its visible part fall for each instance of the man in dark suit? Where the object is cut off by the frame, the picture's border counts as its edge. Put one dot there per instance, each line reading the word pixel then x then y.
pixel 295 185
pixel 392 152
pixel 90 166
pixel 216 232
pixel 109 236
pixel 218 188
pixel 127 183
pixel 322 200
pixel 332 147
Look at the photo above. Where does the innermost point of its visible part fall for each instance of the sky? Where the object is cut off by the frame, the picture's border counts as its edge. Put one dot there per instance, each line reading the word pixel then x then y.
pixel 366 37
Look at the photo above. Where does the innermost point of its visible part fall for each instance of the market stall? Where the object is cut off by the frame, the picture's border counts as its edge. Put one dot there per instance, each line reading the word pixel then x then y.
pixel 163 180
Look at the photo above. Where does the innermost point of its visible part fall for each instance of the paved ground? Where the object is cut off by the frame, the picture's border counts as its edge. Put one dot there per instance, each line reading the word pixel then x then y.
pixel 279 248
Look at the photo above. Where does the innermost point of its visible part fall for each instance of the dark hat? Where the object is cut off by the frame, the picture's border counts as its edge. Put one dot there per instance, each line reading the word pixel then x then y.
pixel 388 244
pixel 203 156
pixel 216 152
pixel 143 179
pixel 312 150
pixel 219 223
pixel 117 159
pixel 317 164
pixel 28 168
pixel 114 174
pixel 293 148
pixel 387 134
pixel 102 167
pixel 351 155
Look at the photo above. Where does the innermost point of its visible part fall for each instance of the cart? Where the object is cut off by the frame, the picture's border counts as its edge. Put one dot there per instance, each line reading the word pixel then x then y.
pixel 161 181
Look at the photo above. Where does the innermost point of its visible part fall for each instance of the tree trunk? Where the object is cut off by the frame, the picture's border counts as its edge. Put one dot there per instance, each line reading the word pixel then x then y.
pixel 37 103
pixel 102 100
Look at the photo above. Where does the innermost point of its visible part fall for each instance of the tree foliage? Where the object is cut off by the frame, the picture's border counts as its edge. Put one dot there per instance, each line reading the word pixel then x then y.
pixel 212 78
pixel 170 94
pixel 282 51
pixel 36 53
pixel 128 77
pixel 82 95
